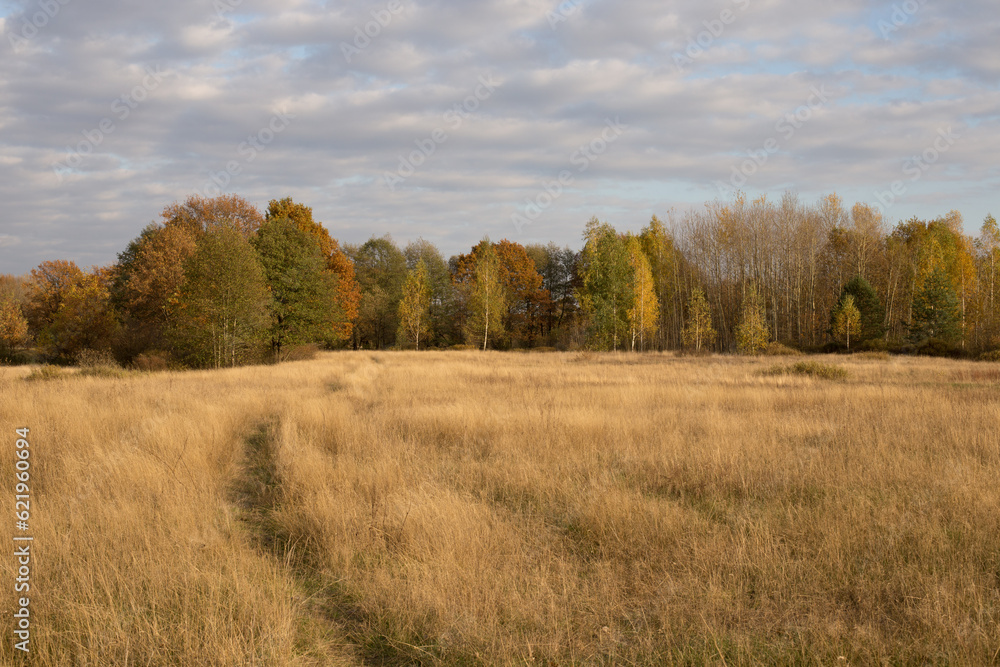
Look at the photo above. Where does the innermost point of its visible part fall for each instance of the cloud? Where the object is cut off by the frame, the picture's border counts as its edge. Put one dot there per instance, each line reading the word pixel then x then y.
pixel 562 70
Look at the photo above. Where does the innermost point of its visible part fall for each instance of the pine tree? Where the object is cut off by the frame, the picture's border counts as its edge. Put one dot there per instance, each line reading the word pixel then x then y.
pixel 752 333
pixel 415 306
pixel 936 309
pixel 699 330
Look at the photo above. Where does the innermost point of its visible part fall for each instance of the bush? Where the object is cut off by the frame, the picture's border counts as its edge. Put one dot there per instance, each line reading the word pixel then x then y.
pixel 780 350
pixel 992 355
pixel 46 372
pixel 95 359
pixel 463 348
pixel 873 355
pixel 873 345
pixel 811 369
pixel 154 361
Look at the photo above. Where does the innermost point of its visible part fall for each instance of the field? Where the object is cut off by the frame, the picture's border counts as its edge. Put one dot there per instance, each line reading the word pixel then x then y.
pixel 484 509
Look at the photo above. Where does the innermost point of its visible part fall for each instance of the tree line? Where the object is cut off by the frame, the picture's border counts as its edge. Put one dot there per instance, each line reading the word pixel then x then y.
pixel 217 283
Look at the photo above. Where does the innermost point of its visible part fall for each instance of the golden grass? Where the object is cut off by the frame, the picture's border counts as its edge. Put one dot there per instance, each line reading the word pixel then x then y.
pixel 470 508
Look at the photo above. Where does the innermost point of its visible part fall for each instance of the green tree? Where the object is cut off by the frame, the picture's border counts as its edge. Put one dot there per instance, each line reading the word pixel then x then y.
pixel 222 312
pixel 698 331
pixel 752 333
pixel 846 320
pixel 936 309
pixel 415 306
pixel 303 305
pixel 488 299
pixel 869 307
pixel 604 293
pixel 381 272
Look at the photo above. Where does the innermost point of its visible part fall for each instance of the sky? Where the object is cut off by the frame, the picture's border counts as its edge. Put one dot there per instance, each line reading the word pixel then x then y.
pixel 453 121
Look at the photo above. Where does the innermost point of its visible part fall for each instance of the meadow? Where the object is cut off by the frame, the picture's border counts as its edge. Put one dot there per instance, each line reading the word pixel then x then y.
pixel 464 508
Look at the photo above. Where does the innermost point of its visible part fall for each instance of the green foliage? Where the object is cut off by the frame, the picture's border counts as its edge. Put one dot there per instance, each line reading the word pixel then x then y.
pixel 222 313
pixel 605 295
pixel 303 305
pixel 381 271
pixel 936 309
pixel 752 332
pixel 870 309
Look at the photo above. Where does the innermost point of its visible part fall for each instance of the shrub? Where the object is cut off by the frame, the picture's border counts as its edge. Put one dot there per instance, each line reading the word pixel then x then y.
pixel 46 372
pixel 811 369
pixel 992 355
pixel 463 348
pixel 780 350
pixel 153 361
pixel 305 352
pixel 873 355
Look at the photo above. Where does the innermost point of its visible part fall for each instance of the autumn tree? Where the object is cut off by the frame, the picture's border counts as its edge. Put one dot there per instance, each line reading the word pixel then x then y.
pixel 487 299
pixel 13 326
pixel 47 287
pixel 752 333
pixel 643 313
pixel 698 331
pixel 846 320
pixel 145 286
pixel 200 214
pixel 303 303
pixel 222 311
pixel 414 308
pixel 665 266
pixel 85 320
pixel 557 267
pixel 871 325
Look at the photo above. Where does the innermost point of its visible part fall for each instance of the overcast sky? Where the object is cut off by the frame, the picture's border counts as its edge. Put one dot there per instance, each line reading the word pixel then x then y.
pixel 447 119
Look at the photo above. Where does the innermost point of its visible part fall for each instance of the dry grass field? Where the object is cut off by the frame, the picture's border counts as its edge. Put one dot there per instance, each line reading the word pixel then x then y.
pixel 490 509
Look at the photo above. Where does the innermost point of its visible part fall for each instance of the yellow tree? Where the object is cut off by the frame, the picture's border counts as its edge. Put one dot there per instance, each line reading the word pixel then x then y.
pixel 488 299
pixel 645 310
pixel 752 332
pixel 13 326
pixel 698 331
pixel 415 306
pixel 847 320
